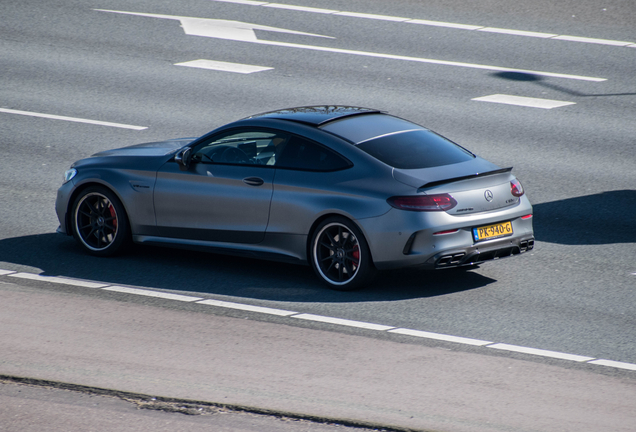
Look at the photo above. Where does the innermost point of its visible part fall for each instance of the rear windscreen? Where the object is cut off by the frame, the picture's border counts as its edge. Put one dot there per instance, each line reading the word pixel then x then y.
pixel 413 149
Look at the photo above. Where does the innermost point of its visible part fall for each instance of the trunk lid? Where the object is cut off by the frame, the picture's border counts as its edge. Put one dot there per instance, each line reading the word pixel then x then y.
pixel 477 186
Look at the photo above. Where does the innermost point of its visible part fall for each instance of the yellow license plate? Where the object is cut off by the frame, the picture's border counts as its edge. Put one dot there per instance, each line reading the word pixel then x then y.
pixel 494 231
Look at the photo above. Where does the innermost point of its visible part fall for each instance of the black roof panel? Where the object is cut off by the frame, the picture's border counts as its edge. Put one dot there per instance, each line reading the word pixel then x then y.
pixel 315 115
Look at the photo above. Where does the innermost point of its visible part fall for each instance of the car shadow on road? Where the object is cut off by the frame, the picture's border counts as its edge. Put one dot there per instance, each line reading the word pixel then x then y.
pixel 604 218
pixel 208 273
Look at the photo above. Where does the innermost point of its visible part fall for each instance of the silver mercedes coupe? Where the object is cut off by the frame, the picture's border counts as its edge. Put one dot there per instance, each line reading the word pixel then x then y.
pixel 347 190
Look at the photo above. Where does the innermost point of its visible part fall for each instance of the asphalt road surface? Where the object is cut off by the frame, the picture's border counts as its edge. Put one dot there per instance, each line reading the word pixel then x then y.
pixel 67 66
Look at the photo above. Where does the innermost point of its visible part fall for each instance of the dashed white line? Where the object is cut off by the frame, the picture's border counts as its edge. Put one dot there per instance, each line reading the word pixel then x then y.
pixel 615 364
pixel 149 293
pixel 246 307
pixel 523 101
pixel 324 319
pixel 71 119
pixel 344 322
pixel 436 23
pixel 224 66
pixel 58 280
pixel 541 352
pixel 438 336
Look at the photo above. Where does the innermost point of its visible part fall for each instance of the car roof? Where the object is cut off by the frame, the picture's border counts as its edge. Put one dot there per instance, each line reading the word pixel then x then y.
pixel 315 115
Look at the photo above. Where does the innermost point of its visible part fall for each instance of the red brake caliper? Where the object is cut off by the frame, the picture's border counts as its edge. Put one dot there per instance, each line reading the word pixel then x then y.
pixel 113 215
pixel 356 254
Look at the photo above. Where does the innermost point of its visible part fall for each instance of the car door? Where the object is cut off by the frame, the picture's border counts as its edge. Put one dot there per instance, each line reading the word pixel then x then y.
pixel 225 194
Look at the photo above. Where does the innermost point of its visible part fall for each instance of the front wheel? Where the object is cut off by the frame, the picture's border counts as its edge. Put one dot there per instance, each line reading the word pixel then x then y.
pixel 99 221
pixel 340 255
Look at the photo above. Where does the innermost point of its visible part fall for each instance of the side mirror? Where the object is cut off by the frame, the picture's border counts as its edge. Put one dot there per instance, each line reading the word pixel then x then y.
pixel 183 158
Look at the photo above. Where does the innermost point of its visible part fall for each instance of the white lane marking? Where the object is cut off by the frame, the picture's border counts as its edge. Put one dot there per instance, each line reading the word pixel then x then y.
pixel 220 29
pixel 224 66
pixel 339 321
pixel 244 32
pixel 443 24
pixel 371 16
pixel 541 352
pixel 344 322
pixel 149 293
pixel 435 23
pixel 615 364
pixel 246 307
pixel 523 101
pixel 247 2
pixel 58 280
pixel 438 336
pixel 517 32
pixel 592 40
pixel 71 119
pixel 299 8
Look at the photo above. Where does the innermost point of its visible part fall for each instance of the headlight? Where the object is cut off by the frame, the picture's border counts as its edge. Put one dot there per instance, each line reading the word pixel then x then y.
pixel 69 174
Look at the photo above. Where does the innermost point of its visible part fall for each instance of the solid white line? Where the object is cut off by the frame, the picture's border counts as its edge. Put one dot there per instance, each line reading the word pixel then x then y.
pixel 517 32
pixel 438 336
pixel 245 2
pixel 443 24
pixel 523 101
pixel 58 280
pixel 247 307
pixel 6 272
pixel 149 293
pixel 541 352
pixel 344 322
pixel 224 66
pixel 435 23
pixel 300 8
pixel 71 119
pixel 372 16
pixel 612 363
pixel 592 40
pixel 244 32
pixel 430 61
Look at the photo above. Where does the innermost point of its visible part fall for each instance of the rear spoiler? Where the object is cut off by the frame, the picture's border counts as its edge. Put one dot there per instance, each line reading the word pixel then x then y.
pixel 471 176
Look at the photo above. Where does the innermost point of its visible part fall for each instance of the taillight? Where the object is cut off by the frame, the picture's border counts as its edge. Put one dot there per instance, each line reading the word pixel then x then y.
pixel 441 202
pixel 515 188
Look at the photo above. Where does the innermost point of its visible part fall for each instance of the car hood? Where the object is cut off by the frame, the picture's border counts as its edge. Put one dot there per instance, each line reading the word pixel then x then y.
pixel 161 148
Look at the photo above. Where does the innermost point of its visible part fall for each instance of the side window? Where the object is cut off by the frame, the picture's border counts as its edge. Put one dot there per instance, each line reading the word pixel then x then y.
pixel 244 147
pixel 299 153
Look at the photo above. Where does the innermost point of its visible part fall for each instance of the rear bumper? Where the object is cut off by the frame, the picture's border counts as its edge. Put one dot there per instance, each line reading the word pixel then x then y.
pixel 437 240
pixel 477 255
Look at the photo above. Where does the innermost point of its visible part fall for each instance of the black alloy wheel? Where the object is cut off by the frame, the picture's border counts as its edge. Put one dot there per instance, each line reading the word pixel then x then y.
pixel 99 221
pixel 340 255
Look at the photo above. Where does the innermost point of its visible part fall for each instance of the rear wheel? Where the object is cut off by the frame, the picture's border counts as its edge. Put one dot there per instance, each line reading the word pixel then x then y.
pixel 340 255
pixel 99 221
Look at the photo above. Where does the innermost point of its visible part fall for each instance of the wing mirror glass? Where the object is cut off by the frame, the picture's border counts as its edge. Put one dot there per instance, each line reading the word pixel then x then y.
pixel 183 158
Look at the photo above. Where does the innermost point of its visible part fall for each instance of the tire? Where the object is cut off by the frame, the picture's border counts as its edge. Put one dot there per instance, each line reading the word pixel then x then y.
pixel 340 256
pixel 99 222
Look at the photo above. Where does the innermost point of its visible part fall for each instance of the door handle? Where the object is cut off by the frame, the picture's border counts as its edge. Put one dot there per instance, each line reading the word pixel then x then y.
pixel 253 181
